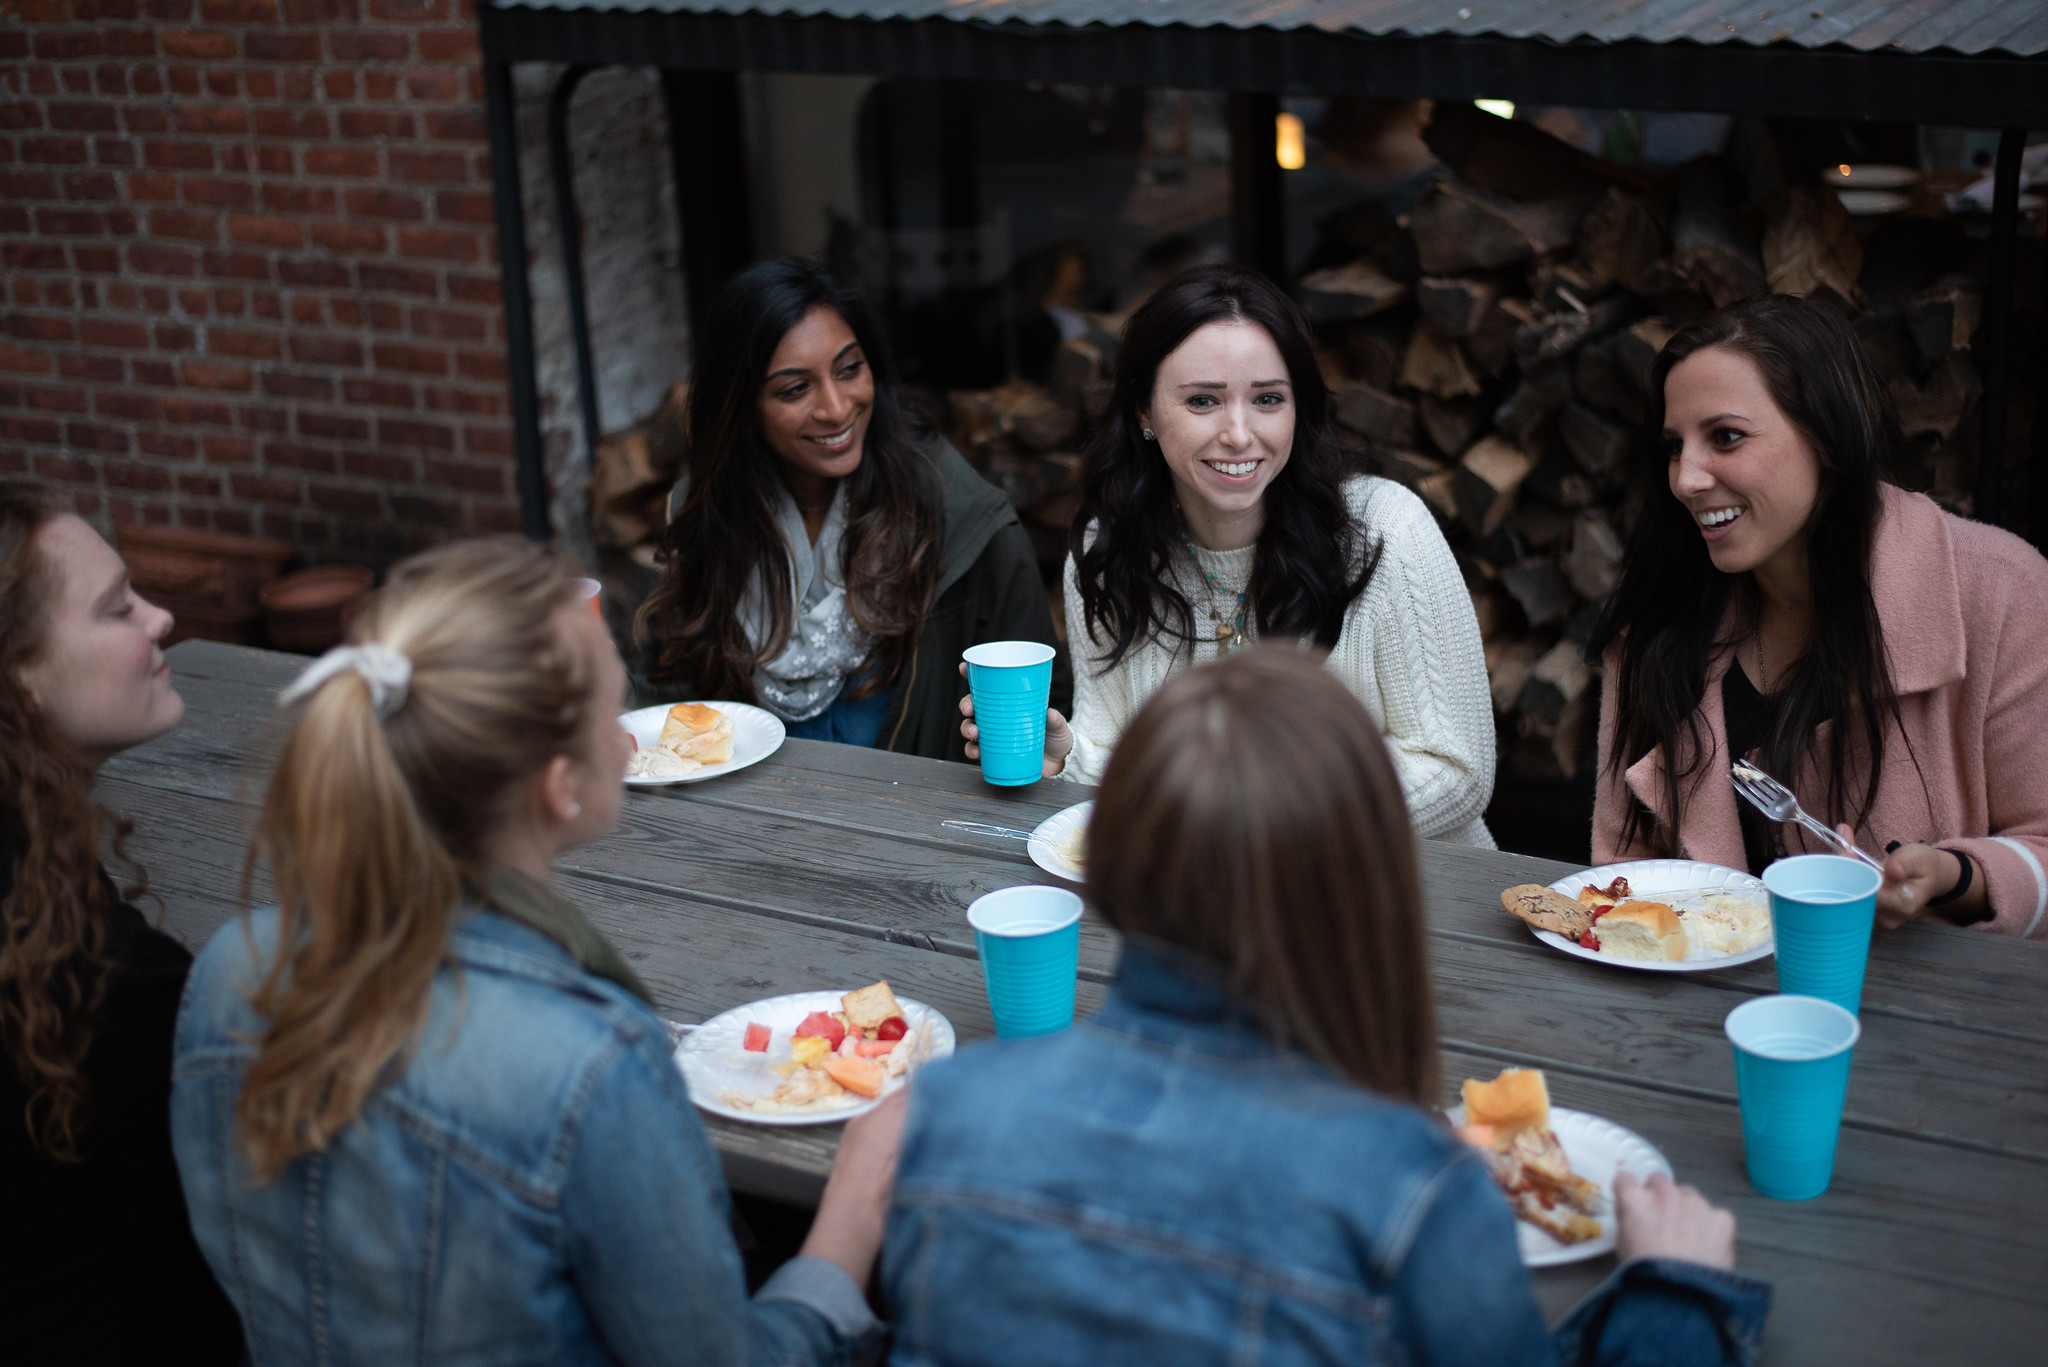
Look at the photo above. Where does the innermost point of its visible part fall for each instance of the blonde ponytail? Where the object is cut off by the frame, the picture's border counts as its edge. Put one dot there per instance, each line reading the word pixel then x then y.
pixel 369 826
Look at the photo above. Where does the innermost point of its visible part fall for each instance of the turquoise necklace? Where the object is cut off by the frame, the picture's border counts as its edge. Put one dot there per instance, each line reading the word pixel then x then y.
pixel 1229 634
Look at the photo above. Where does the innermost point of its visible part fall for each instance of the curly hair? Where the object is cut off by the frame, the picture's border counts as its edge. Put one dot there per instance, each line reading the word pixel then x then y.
pixel 53 924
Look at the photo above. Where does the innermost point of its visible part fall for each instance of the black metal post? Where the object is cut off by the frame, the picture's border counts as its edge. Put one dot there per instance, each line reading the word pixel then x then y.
pixel 569 227
pixel 706 140
pixel 960 189
pixel 2005 223
pixel 2037 528
pixel 1257 226
pixel 530 474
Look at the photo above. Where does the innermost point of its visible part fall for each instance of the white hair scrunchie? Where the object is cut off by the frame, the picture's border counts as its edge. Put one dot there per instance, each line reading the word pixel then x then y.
pixel 387 672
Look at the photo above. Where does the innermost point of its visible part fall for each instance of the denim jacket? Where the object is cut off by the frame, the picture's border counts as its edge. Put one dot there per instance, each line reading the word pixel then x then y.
pixel 1161 1184
pixel 533 1187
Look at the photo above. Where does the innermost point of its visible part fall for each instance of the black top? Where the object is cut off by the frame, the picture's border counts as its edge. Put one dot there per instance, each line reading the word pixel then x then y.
pixel 97 1261
pixel 1748 714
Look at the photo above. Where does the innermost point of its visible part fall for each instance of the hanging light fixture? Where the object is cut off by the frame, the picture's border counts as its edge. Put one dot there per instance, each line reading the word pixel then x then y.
pixel 1290 142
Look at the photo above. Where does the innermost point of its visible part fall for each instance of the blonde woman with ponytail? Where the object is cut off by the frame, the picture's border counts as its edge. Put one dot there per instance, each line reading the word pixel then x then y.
pixel 424 1112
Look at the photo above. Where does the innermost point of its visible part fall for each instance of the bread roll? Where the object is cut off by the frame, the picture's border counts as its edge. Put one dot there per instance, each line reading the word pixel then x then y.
pixel 1642 930
pixel 697 732
pixel 1515 1100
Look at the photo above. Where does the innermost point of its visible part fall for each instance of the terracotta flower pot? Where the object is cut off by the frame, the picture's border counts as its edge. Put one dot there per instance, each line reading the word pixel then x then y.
pixel 308 611
pixel 208 580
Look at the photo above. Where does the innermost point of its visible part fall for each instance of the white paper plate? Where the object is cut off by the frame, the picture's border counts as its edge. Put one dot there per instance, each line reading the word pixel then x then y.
pixel 1651 879
pixel 1597 1150
pixel 1051 833
pixel 1868 203
pixel 713 1058
pixel 756 734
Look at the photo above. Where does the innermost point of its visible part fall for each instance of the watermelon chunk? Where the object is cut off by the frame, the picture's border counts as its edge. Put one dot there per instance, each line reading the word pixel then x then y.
pixel 757 1039
pixel 823 1026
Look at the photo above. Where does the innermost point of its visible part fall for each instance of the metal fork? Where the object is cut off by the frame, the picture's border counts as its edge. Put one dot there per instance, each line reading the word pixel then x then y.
pixel 1775 801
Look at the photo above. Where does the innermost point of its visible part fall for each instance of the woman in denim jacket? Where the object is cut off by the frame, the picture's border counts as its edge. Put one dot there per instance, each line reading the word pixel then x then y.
pixel 422 1111
pixel 1232 1161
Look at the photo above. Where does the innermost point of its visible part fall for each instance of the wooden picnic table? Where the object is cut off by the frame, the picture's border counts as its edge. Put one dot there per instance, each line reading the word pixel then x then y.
pixel 826 866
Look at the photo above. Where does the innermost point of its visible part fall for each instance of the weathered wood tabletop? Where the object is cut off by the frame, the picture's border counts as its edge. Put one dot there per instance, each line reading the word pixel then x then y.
pixel 826 866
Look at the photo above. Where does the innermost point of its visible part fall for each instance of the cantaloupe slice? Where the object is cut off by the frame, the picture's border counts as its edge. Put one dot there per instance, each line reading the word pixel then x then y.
pixel 858 1075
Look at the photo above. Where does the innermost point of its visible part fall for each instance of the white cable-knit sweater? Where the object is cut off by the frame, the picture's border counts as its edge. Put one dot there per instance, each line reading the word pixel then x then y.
pixel 1409 650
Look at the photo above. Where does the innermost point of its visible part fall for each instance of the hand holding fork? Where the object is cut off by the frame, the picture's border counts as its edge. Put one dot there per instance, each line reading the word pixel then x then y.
pixel 1913 874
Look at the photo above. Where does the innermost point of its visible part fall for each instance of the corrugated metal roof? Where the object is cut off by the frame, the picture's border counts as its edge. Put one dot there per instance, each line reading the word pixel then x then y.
pixel 1970 27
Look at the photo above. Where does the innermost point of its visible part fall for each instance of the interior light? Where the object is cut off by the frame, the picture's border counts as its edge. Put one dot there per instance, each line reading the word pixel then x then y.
pixel 1290 146
pixel 1504 109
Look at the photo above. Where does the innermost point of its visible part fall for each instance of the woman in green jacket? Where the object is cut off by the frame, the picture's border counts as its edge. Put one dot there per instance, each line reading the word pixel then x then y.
pixel 822 559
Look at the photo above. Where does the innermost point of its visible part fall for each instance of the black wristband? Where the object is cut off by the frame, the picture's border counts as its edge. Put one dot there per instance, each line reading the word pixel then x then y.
pixel 1969 876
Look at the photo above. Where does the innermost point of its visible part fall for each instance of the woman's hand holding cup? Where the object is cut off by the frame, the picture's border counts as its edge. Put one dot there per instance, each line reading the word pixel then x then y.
pixel 1059 737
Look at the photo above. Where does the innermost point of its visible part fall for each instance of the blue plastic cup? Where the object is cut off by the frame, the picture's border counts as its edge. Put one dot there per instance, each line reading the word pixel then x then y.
pixel 1030 943
pixel 1823 907
pixel 1792 1057
pixel 1012 684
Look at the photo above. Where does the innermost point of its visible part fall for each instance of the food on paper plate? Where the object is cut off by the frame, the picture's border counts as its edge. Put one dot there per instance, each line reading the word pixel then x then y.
pixel 1645 931
pixel 869 1007
pixel 1728 925
pixel 1548 910
pixel 697 732
pixel 653 762
pixel 1074 849
pixel 1508 1121
pixel 1613 894
pixel 693 737
pixel 1641 930
pixel 837 1058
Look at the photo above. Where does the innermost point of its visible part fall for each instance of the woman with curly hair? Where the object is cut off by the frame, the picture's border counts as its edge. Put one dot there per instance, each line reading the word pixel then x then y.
pixel 97 1262
pixel 1219 507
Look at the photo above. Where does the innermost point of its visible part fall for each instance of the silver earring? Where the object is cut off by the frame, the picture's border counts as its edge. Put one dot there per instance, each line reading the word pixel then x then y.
pixel 1147 433
pixel 575 810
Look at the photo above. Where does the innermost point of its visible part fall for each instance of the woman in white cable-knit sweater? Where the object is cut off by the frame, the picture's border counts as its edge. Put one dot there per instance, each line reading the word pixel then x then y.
pixel 1218 510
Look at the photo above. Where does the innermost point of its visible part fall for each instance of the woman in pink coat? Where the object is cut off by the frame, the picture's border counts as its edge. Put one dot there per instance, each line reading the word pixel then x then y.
pixel 1886 660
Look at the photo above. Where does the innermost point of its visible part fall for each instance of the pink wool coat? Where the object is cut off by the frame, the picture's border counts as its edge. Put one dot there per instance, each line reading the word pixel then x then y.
pixel 1964 610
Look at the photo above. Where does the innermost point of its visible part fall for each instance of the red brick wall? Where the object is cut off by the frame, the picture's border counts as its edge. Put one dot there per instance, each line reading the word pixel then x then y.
pixel 250 274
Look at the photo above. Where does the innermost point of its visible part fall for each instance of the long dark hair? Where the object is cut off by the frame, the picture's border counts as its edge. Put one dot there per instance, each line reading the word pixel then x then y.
pixel 726 534
pixel 1252 816
pixel 1312 560
pixel 53 924
pixel 1668 610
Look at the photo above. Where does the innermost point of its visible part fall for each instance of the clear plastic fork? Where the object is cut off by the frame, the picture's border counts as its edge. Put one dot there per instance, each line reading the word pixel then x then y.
pixel 983 828
pixel 1775 801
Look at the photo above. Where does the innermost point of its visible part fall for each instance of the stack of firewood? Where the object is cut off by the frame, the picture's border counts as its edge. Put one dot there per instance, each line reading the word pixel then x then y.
pixel 631 473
